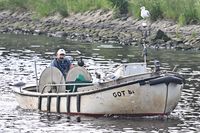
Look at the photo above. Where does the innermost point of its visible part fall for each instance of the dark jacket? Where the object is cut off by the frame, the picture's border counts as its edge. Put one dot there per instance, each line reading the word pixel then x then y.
pixel 62 65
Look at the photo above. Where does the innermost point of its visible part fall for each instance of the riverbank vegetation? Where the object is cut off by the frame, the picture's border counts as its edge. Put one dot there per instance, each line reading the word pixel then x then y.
pixel 182 11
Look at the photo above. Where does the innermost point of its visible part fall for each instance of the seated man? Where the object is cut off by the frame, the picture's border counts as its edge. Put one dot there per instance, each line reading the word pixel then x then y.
pixel 61 62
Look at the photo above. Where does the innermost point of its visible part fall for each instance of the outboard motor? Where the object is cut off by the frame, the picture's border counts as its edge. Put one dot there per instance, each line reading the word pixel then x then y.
pixel 156 65
pixel 81 62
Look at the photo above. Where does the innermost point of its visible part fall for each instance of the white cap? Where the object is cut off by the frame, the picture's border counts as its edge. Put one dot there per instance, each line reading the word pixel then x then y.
pixel 61 51
pixel 144 24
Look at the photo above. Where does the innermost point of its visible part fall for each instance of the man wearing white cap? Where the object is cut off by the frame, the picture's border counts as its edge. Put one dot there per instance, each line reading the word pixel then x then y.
pixel 62 63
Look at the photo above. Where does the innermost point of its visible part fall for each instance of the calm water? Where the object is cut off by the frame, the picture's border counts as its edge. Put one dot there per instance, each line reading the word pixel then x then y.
pixel 17 56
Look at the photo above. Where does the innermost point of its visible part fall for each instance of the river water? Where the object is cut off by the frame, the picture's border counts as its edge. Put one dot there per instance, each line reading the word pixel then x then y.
pixel 19 52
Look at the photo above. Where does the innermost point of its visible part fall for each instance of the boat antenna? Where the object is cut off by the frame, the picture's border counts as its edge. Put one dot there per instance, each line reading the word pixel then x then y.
pixel 145 33
pixel 36 76
pixel 145 53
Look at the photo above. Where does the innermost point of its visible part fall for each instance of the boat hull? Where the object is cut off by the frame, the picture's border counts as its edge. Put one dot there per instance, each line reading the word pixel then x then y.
pixel 132 98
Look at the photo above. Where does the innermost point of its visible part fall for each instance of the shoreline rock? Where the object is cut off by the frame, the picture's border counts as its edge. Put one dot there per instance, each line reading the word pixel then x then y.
pixel 99 26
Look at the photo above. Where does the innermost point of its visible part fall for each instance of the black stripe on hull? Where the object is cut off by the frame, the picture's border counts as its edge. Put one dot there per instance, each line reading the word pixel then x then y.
pixel 58 104
pixel 78 103
pixel 68 103
pixel 166 80
pixel 39 102
pixel 48 103
pixel 166 98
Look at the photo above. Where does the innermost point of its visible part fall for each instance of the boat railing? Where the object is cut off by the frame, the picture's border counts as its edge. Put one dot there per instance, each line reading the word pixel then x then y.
pixel 67 84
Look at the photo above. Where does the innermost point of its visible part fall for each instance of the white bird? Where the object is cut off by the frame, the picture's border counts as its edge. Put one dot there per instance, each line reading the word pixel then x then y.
pixel 144 13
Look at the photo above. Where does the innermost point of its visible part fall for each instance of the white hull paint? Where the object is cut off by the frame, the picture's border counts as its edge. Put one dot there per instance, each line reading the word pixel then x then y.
pixel 126 98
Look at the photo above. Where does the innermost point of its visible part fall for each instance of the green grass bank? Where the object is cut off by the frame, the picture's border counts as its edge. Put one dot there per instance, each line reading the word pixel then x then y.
pixel 181 11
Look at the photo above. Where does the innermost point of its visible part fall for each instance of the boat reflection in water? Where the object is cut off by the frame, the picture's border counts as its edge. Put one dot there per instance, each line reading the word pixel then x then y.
pixel 116 123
